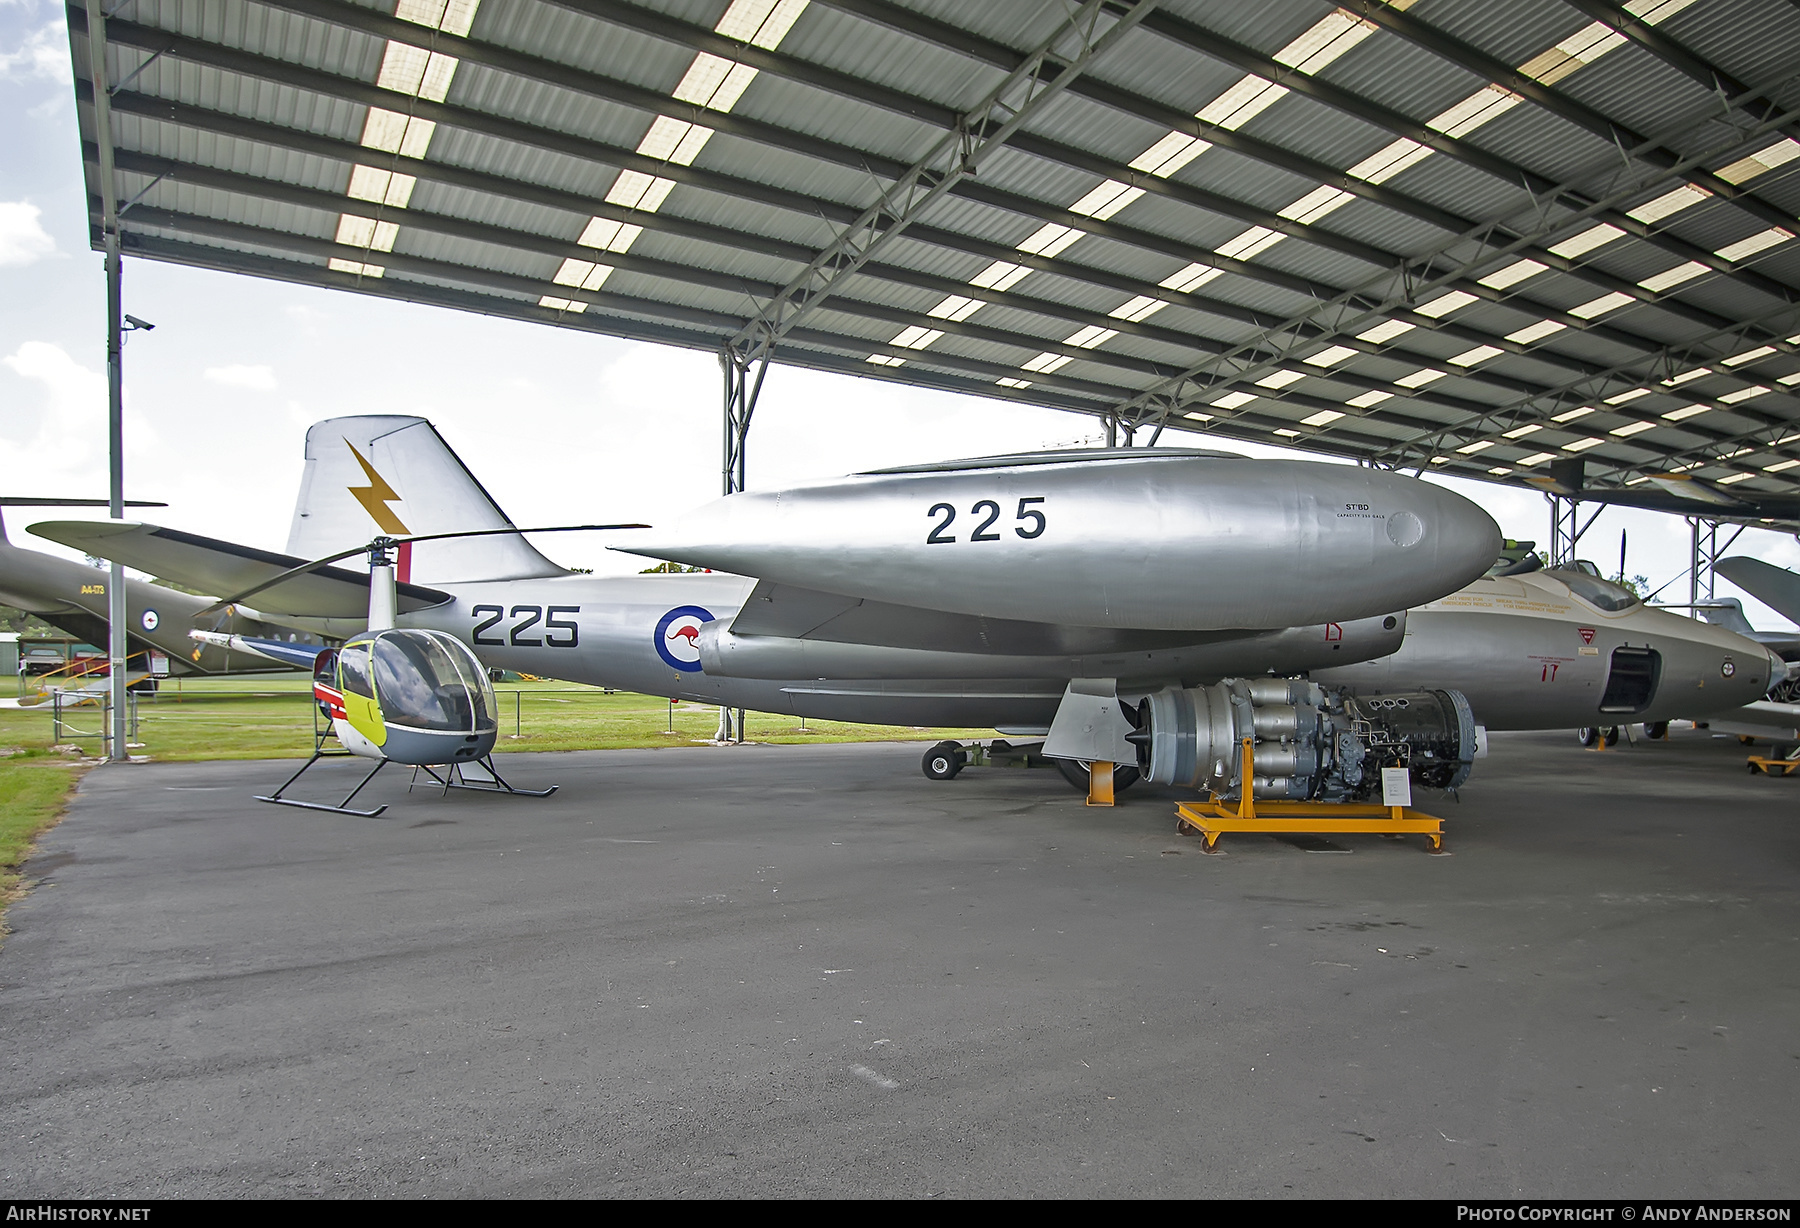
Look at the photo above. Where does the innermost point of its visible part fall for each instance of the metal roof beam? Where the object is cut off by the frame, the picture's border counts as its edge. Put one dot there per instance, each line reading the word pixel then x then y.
pixel 154 247
pixel 1076 44
pixel 1707 76
pixel 1566 107
pixel 723 323
pixel 1204 41
pixel 1669 362
pixel 1214 46
pixel 350 89
pixel 733 240
pixel 329 203
pixel 362 92
pixel 1352 310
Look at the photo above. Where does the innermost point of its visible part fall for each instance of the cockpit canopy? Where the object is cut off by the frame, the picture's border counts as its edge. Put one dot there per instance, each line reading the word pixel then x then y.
pixel 421 679
pixel 1599 593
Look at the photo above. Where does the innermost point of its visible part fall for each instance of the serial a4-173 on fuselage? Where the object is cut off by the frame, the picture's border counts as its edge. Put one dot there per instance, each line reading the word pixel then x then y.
pixel 1042 592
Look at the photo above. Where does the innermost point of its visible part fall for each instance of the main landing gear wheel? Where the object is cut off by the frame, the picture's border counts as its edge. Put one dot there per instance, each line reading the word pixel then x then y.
pixel 945 760
pixel 1076 773
pixel 1656 731
pixel 1589 736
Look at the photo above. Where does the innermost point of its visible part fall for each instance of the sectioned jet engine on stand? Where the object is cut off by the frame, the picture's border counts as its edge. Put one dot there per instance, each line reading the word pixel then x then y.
pixel 1306 743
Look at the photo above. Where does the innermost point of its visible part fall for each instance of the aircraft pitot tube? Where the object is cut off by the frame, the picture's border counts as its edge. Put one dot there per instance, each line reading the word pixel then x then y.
pixel 1308 743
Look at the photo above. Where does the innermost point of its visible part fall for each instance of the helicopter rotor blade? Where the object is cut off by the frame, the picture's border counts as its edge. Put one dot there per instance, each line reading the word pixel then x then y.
pixel 341 555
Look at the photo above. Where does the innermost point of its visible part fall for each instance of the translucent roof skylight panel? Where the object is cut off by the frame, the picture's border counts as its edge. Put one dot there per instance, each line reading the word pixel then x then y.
pixel 1053 185
pixel 1511 33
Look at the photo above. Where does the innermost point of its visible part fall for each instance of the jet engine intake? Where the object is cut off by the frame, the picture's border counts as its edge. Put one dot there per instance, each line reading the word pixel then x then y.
pixel 1307 743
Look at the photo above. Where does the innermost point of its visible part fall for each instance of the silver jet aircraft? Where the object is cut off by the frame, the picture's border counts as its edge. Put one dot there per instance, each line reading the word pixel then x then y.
pixel 965 594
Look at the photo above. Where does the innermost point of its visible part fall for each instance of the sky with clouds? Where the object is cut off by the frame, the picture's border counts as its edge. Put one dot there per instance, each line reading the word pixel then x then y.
pixel 560 426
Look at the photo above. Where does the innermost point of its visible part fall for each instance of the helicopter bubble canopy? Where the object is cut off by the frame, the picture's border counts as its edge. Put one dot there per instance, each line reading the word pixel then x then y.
pixel 424 698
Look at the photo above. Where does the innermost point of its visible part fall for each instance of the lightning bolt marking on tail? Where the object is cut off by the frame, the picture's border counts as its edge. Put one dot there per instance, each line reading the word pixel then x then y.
pixel 376 496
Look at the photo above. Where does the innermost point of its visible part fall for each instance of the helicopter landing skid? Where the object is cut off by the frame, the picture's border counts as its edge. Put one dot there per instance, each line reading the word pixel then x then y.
pixel 342 807
pixel 483 778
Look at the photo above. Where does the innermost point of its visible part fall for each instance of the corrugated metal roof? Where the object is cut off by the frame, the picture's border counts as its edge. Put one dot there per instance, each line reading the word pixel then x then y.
pixel 255 112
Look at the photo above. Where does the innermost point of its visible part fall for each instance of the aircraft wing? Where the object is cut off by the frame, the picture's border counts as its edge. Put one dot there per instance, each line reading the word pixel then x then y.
pixel 1776 587
pixel 1684 495
pixel 222 567
pixel 802 613
pixel 1776 722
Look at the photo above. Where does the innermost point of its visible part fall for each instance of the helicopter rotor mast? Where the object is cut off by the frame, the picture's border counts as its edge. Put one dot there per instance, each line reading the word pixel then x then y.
pixel 383 598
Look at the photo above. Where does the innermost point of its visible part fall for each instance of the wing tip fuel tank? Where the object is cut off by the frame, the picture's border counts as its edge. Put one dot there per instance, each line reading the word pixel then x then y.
pixel 1158 540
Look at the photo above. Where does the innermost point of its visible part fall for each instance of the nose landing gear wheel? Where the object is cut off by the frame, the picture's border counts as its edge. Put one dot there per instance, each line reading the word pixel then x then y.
pixel 1076 773
pixel 944 761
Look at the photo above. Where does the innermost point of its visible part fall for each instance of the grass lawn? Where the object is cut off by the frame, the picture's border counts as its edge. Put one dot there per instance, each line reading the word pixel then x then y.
pixel 34 786
pixel 271 718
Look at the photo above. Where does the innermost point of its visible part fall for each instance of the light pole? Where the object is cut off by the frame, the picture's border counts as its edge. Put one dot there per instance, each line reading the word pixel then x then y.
pixel 117 651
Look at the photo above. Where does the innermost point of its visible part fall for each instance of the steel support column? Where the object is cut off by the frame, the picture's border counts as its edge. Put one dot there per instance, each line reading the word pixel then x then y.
pixel 743 369
pixel 1567 527
pixel 1705 551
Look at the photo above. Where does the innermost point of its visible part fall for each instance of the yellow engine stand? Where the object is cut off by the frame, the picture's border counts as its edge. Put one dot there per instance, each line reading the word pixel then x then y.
pixel 1772 766
pixel 1212 819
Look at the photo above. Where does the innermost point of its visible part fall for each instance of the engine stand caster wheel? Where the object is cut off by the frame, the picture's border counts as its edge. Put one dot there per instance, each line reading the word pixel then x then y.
pixel 944 761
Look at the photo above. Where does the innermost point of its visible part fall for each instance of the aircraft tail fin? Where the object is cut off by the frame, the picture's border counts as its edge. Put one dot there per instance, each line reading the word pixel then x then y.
pixel 1776 587
pixel 1727 612
pixel 377 474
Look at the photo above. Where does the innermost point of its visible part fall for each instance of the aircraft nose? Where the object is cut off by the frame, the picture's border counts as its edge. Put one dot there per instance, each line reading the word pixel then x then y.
pixel 1465 539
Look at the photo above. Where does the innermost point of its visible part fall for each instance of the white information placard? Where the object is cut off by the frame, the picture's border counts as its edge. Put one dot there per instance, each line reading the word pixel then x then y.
pixel 1396 787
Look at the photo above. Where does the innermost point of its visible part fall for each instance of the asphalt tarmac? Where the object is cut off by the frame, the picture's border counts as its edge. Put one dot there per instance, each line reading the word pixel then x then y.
pixel 806 971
